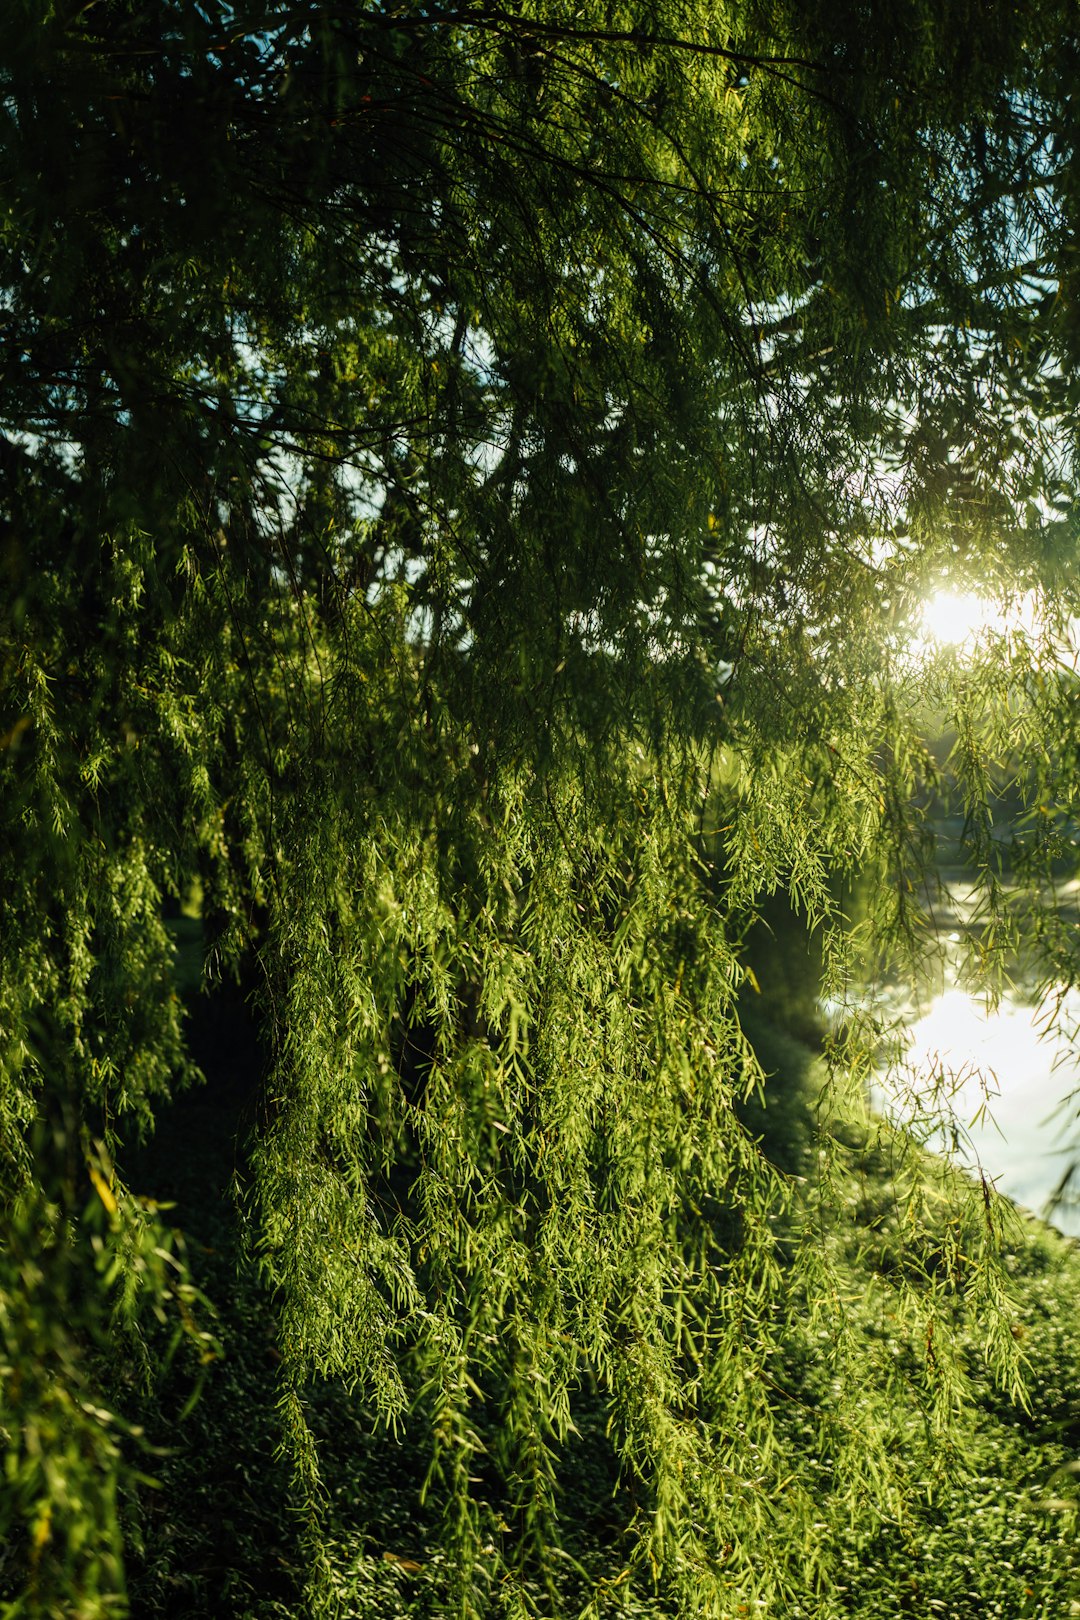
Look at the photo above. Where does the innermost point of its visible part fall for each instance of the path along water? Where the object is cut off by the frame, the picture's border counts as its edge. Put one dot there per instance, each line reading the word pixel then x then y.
pixel 1010 1074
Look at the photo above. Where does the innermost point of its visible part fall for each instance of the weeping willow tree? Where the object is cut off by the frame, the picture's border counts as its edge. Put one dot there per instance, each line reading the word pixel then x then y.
pixel 469 480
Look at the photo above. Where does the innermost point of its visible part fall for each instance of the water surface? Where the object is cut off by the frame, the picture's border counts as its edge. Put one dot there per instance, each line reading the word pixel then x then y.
pixel 1010 1075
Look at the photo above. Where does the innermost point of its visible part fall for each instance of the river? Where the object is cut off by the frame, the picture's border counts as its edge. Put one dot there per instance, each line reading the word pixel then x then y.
pixel 1011 1072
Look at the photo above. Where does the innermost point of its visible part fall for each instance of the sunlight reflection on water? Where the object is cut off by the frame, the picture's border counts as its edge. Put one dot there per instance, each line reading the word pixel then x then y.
pixel 1008 1073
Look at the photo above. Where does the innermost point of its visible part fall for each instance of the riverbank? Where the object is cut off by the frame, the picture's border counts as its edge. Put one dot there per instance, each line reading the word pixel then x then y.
pixel 982 1527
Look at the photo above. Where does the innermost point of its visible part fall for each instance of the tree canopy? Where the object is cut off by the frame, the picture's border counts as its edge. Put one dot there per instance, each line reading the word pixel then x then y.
pixel 470 476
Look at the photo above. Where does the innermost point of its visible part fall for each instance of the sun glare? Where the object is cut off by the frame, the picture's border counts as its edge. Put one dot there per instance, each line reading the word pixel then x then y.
pixel 956 619
pixel 960 620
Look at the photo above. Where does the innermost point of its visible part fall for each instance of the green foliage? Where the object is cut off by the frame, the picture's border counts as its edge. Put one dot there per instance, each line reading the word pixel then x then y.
pixel 974 1522
pixel 469 480
pixel 83 1267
